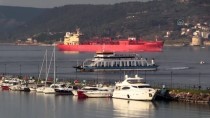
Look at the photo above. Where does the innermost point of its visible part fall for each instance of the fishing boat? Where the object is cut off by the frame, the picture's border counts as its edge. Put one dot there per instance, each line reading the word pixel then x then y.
pixel 134 88
pixel 72 42
pixel 109 61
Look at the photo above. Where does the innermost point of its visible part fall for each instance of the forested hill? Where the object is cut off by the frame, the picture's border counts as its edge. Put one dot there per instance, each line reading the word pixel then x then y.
pixel 12 17
pixel 141 19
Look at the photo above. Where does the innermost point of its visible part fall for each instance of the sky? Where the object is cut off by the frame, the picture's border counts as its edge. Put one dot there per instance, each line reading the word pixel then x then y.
pixel 57 3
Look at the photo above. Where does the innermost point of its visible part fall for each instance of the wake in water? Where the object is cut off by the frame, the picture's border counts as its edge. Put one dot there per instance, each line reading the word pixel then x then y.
pixel 177 68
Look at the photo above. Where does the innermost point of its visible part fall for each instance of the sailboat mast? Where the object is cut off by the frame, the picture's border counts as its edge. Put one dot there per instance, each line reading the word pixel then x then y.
pixel 46 70
pixel 54 64
pixel 45 56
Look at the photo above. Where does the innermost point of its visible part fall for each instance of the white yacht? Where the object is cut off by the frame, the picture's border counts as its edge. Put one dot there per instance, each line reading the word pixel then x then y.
pixel 40 89
pixel 134 89
pixel 51 89
pixel 64 89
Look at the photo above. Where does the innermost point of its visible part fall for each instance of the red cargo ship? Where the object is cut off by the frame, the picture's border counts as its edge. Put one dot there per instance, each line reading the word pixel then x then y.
pixel 72 43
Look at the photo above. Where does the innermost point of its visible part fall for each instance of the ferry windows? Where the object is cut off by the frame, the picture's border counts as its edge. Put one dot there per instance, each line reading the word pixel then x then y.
pixel 102 64
pixel 98 64
pixel 130 63
pixel 110 64
pixel 122 63
pixel 142 62
pixel 118 63
pixel 125 63
pixel 133 63
pixel 139 63
pixel 105 64
pixel 113 64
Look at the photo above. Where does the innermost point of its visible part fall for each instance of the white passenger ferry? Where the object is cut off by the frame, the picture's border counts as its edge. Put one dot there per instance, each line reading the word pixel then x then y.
pixel 109 61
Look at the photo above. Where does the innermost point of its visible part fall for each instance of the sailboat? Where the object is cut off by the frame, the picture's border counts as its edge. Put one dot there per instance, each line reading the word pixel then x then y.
pixel 51 89
pixel 40 89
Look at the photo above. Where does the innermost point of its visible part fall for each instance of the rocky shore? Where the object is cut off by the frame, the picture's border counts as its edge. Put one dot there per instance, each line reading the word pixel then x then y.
pixel 184 96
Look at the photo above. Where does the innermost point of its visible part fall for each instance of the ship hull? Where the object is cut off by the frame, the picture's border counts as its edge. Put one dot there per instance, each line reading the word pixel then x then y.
pixel 147 47
pixel 139 68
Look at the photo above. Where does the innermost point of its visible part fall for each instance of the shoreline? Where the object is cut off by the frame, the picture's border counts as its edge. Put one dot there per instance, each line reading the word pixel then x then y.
pixel 23 44
pixel 188 96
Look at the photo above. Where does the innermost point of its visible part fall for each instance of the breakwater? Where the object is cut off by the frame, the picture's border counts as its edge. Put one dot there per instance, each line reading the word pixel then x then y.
pixel 192 96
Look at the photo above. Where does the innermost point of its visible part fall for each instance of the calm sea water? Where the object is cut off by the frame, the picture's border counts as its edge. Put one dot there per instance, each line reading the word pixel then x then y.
pixel 34 105
pixel 177 65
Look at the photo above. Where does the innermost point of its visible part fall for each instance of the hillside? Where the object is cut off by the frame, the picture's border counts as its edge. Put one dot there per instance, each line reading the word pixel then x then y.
pixel 13 17
pixel 141 19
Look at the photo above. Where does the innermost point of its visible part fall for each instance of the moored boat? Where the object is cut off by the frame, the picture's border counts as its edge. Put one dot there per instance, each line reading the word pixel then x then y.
pixel 63 89
pixel 8 82
pixel 72 43
pixel 104 92
pixel 51 89
pixel 134 88
pixel 109 61
pixel 80 92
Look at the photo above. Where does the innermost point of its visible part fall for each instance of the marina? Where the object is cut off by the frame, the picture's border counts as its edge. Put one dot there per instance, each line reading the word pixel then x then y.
pixel 172 71
pixel 105 59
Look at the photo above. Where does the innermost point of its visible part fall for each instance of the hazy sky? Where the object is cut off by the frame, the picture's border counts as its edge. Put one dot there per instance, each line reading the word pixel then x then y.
pixel 56 3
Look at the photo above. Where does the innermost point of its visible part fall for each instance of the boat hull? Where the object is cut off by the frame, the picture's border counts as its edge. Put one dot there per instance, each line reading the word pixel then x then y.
pixel 63 92
pixel 141 95
pixel 5 87
pixel 49 90
pixel 129 68
pixel 99 94
pixel 80 94
pixel 147 47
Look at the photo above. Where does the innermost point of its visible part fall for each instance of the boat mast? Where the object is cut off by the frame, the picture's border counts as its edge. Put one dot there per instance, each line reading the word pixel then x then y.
pixel 49 67
pixel 54 63
pixel 45 56
pixel 46 70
